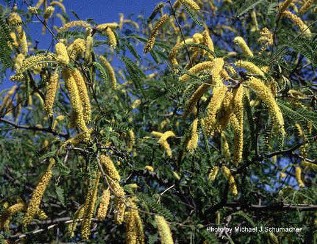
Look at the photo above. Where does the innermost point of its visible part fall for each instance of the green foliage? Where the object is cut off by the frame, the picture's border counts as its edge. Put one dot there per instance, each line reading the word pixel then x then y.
pixel 129 124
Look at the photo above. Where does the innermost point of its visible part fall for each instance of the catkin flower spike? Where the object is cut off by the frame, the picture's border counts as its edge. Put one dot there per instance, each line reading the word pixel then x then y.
pixel 83 93
pixel 299 22
pixel 265 94
pixel 89 207
pixel 285 5
pixel 110 71
pixel 213 107
pixel 33 206
pixel 52 88
pixel 189 3
pixel 110 168
pixel 104 204
pixel 75 100
pixel 213 67
pixel 213 173
pixel 163 142
pixel 164 230
pixel 7 214
pixel 103 27
pixel 243 45
pixel 76 49
pixel 150 43
pixel 76 23
pixel 111 37
pixel 176 49
pixel 72 227
pixel 193 142
pixel 250 67
pixel 60 5
pixel 62 55
pixel 298 176
pixel 134 225
pixel 231 180
pixel 306 6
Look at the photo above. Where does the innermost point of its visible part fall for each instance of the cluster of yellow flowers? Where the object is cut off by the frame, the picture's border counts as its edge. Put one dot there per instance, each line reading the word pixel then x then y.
pixel 33 206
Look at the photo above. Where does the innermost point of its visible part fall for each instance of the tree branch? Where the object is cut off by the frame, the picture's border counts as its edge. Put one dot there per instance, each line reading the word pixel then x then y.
pixel 34 128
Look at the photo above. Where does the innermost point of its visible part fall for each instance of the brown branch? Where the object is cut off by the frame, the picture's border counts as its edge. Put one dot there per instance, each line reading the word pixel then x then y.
pixel 34 128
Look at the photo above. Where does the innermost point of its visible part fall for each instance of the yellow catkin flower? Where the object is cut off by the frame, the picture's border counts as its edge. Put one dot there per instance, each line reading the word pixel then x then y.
pixel 59 4
pixel 19 61
pixel 120 204
pixel 266 37
pixel 7 214
pixel 175 50
pixel 302 136
pixel 50 95
pixel 83 93
pixel 189 3
pixel 72 227
pixel 250 67
pixel 297 21
pixel 48 12
pixel 150 43
pixel 225 151
pixel 39 3
pixel 136 103
pixel 213 107
pixel 193 142
pixel 134 226
pixel 238 138
pixel 41 214
pixel 213 173
pixel 156 133
pixel 38 193
pixel 34 60
pixel 195 97
pixel 13 40
pixel 23 43
pixel 89 207
pixel 298 176
pixel 14 19
pixel 58 119
pixel 309 165
pixel 61 51
pixel 76 23
pixel 306 6
pixel 163 142
pixel 164 230
pixel 265 94
pixel 89 46
pixel 207 65
pixel 110 168
pixel 74 99
pixel 238 107
pixel 77 49
pixel 131 140
pixel 255 26
pixel 243 45
pixel 111 37
pixel 208 42
pixel 285 5
pixel 149 168
pixel 110 71
pixel 103 27
pixel 231 180
pixel 7 97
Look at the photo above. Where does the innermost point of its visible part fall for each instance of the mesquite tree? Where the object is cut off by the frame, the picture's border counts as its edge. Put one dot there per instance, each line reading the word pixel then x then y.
pixel 159 129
